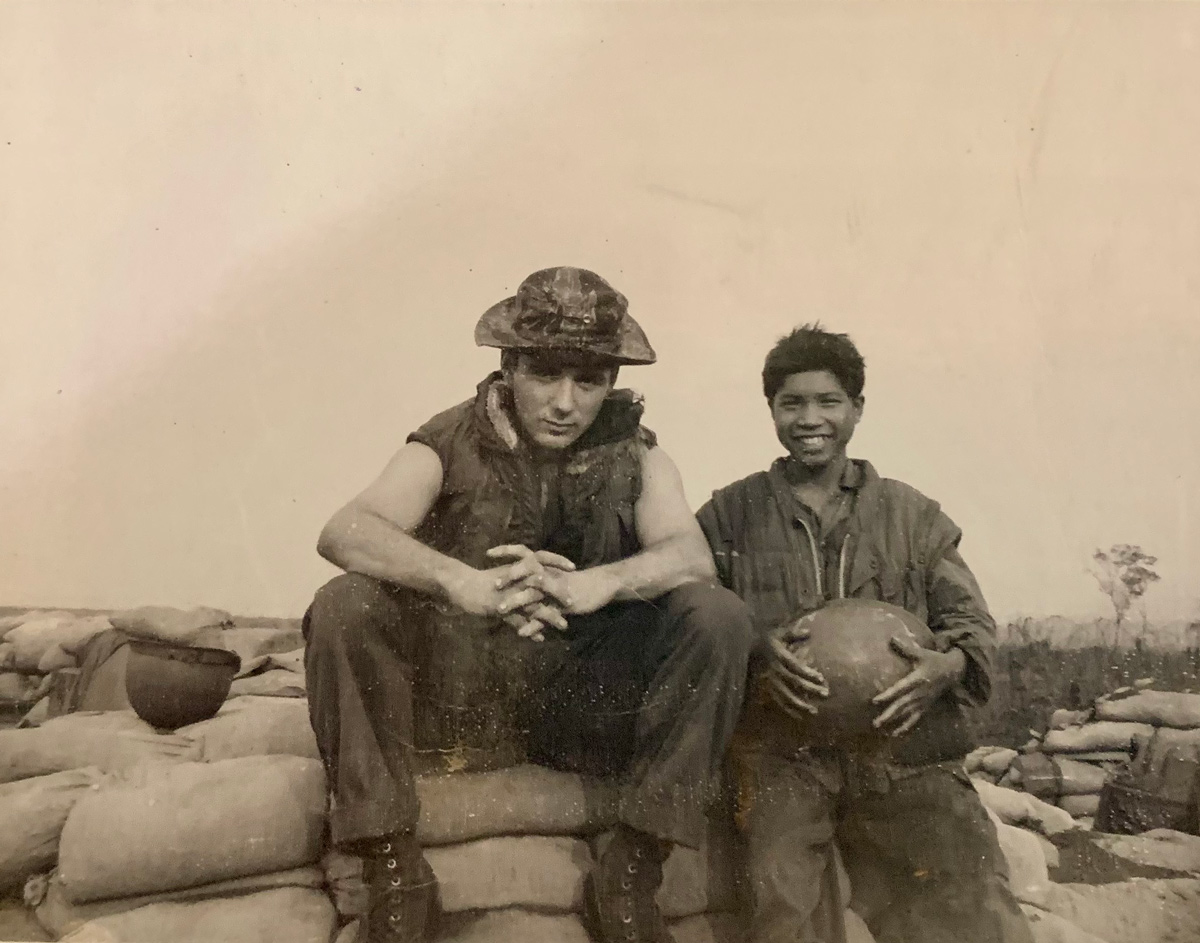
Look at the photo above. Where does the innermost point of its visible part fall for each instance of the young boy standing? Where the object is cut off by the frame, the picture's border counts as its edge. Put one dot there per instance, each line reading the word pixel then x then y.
pixel 922 854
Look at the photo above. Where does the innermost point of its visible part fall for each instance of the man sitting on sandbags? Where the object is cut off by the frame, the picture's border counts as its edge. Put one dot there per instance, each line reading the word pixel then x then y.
pixel 813 530
pixel 525 580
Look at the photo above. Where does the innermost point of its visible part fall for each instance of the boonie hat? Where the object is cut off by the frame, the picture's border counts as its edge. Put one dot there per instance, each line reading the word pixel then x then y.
pixel 566 308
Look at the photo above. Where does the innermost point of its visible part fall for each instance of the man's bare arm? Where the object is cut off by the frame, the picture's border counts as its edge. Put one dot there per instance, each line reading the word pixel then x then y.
pixel 674 550
pixel 372 535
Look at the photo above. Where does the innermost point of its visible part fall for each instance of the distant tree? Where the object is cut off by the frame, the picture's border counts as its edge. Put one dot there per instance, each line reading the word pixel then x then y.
pixel 1124 573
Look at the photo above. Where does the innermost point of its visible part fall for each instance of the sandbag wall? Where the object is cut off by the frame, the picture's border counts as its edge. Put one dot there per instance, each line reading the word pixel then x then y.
pixel 1082 750
pixel 511 849
pixel 217 830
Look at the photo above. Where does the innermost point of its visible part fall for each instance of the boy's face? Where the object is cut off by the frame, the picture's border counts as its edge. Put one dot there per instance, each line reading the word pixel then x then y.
pixel 557 396
pixel 815 417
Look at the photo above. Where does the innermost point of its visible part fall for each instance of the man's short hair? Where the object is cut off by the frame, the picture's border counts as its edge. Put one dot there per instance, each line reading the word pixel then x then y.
pixel 811 347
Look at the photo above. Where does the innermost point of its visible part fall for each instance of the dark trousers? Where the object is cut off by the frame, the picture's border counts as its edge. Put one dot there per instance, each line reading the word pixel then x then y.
pixel 923 857
pixel 650 691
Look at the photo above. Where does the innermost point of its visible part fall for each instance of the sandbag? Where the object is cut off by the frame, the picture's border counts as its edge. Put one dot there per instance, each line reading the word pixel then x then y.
pixel 276 682
pixel 1028 874
pixel 1021 809
pixel 1162 848
pixel 1158 708
pixel 36 715
pixel 539 872
pixel 990 760
pixel 697 881
pixel 520 800
pixel 1105 758
pixel 188 824
pixel 294 914
pixel 60 916
pixel 1136 911
pixel 996 763
pixel 8 623
pixel 32 815
pixel 1062 718
pixel 32 639
pixel 250 643
pixel 857 930
pixel 344 878
pixel 113 741
pixel 972 760
pixel 706 928
pixel 18 688
pixel 56 658
pixel 255 726
pixel 1051 777
pixel 1102 735
pixel 167 624
pixel 514 926
pixel 1080 807
pixel 1051 928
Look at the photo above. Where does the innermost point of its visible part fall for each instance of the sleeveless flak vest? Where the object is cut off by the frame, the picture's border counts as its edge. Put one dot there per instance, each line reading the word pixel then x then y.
pixel 472 673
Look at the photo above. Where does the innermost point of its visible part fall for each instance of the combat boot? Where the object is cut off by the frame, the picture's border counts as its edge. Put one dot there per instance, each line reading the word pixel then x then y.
pixel 402 893
pixel 619 895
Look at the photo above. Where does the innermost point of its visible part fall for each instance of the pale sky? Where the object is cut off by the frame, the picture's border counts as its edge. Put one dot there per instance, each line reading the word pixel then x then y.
pixel 243 248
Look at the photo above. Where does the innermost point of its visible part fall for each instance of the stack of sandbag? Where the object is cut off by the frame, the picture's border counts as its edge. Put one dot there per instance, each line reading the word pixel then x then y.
pixel 511 850
pixel 253 725
pixel 1083 750
pixel 45 771
pixel 100 681
pixel 193 851
pixel 168 624
pixel 36 644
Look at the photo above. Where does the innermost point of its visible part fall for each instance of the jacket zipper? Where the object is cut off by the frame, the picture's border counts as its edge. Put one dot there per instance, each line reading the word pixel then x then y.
pixel 818 559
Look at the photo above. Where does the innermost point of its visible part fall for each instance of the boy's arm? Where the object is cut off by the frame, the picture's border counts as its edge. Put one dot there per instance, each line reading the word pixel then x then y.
pixel 959 618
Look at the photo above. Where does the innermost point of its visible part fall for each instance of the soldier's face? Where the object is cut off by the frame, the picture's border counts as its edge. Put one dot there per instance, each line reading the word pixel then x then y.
pixel 815 417
pixel 558 396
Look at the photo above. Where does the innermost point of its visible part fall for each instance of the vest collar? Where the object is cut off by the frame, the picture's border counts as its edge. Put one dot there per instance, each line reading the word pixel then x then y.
pixel 618 419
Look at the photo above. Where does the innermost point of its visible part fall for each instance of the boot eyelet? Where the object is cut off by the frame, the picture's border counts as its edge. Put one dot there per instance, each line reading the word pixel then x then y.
pixel 628 918
pixel 387 849
pixel 395 882
pixel 631 868
pixel 391 864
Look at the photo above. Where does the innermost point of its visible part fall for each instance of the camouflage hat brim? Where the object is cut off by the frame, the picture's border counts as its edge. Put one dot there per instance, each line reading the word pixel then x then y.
pixel 566 309
pixel 495 329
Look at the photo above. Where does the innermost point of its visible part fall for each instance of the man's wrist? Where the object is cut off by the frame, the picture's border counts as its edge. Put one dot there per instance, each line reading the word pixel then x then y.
pixel 611 579
pixel 451 575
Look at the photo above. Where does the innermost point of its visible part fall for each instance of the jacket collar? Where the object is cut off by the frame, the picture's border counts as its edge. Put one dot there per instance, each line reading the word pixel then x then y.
pixel 857 475
pixel 617 420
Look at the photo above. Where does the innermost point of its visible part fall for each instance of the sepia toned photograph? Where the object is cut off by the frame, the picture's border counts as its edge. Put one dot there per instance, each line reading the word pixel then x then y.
pixel 599 471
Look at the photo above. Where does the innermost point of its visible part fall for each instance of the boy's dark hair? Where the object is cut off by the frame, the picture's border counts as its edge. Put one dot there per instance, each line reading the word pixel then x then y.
pixel 811 347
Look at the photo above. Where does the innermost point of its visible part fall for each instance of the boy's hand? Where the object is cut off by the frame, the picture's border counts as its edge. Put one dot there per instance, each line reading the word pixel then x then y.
pixel 789 680
pixel 906 701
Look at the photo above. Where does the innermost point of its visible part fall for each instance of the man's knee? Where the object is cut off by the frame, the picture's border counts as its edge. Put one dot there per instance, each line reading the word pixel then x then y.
pixel 716 619
pixel 346 607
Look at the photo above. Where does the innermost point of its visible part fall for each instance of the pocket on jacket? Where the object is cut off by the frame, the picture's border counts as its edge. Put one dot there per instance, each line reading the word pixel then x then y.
pixel 766 581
